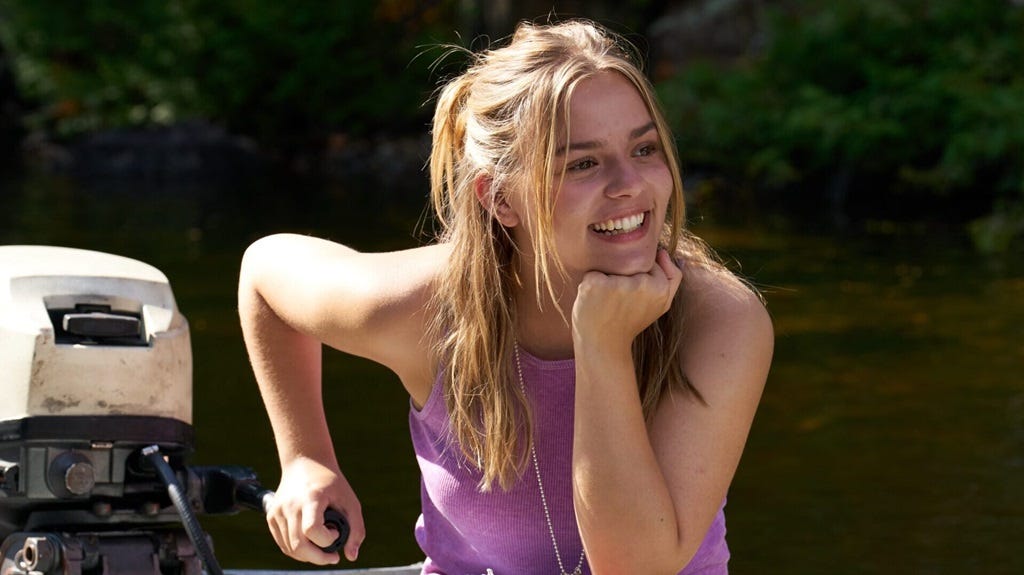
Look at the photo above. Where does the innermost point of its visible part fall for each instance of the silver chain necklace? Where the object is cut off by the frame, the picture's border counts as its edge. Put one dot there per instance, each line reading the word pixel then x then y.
pixel 543 499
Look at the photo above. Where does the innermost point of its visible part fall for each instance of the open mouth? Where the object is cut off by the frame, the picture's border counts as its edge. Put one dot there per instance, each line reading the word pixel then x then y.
pixel 620 225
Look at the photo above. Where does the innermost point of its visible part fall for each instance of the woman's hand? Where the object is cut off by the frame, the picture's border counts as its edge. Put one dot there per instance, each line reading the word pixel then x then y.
pixel 612 310
pixel 296 517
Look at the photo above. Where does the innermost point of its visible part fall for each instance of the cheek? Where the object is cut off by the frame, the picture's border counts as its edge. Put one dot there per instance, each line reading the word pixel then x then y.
pixel 570 205
pixel 664 178
pixel 660 179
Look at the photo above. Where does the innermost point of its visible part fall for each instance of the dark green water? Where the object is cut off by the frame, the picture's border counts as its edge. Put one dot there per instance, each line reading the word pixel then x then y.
pixel 890 438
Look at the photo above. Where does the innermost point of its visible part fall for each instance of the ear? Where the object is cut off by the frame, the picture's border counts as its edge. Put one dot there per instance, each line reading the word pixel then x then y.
pixel 494 201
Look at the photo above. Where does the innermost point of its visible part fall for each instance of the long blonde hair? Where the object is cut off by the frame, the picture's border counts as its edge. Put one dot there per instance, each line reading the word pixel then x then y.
pixel 500 119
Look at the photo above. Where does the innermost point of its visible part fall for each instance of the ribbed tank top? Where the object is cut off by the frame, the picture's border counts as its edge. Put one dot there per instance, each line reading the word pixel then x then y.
pixel 465 532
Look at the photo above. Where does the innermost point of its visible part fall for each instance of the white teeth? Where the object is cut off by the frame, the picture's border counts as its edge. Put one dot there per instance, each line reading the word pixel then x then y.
pixel 621 225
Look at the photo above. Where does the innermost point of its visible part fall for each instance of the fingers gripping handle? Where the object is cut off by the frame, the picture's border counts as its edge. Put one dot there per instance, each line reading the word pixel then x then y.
pixel 333 519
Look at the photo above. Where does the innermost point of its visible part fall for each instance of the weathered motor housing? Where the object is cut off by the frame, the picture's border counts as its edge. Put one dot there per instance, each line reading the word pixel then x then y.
pixel 96 364
pixel 89 333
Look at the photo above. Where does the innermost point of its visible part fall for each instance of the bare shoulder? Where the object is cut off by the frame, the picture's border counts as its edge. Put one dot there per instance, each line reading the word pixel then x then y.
pixel 287 252
pixel 728 336
pixel 713 293
pixel 370 304
pixel 321 263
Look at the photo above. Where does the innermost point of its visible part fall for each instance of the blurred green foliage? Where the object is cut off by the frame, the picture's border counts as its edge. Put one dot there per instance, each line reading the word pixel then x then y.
pixel 276 71
pixel 881 104
pixel 870 108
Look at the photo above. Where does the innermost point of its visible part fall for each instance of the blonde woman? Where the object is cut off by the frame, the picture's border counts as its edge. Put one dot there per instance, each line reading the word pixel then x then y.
pixel 582 375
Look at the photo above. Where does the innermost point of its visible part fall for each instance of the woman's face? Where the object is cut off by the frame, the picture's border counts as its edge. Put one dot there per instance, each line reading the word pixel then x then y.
pixel 615 181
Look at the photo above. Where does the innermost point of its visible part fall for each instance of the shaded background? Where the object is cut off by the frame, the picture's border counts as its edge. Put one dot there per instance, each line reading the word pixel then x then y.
pixel 862 160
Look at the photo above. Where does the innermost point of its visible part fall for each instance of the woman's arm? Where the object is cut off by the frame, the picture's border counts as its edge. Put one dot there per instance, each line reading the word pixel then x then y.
pixel 295 293
pixel 645 495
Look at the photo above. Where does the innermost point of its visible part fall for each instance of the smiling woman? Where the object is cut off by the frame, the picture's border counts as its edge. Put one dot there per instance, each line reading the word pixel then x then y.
pixel 582 375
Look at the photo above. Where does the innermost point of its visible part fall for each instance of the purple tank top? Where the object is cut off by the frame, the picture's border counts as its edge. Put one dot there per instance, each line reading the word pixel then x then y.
pixel 465 532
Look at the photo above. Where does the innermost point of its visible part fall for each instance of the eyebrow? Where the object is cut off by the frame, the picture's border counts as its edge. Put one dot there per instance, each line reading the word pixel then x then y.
pixel 592 144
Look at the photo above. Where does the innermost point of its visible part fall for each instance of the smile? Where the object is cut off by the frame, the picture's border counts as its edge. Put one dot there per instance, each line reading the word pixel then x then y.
pixel 620 225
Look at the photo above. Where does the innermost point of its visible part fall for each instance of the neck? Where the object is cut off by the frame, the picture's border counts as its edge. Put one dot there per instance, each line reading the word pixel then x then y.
pixel 542 331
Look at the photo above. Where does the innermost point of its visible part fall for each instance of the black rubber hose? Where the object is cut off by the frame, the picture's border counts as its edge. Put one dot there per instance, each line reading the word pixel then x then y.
pixel 188 518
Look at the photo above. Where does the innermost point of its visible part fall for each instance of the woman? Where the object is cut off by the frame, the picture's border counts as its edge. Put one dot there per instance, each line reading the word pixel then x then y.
pixel 582 375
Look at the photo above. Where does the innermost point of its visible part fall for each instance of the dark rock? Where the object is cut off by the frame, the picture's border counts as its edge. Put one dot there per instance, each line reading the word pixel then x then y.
pixel 696 30
pixel 396 163
pixel 191 151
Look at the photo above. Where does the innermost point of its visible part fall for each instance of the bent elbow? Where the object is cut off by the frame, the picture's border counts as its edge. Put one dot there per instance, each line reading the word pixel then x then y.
pixel 668 562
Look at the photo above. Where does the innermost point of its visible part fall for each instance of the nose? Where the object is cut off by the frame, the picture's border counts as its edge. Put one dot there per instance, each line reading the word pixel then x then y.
pixel 624 180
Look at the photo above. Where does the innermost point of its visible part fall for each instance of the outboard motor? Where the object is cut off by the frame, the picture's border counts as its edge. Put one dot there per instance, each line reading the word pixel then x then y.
pixel 96 421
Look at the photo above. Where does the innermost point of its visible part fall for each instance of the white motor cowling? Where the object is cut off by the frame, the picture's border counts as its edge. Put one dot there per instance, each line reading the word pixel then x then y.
pixel 96 363
pixel 89 333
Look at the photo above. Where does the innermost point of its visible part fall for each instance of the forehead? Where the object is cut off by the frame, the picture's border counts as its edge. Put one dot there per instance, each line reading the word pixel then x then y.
pixel 606 101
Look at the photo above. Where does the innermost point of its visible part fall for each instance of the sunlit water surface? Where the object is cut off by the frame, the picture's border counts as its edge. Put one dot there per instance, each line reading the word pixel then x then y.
pixel 890 438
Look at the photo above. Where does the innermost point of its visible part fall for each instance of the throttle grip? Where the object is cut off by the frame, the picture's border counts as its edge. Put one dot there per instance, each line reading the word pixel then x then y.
pixel 332 517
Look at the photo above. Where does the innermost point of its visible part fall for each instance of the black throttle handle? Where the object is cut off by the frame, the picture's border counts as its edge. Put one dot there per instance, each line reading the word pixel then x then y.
pixel 335 520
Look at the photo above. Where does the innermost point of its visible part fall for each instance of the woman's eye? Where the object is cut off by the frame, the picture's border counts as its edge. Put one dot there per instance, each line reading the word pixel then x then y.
pixel 647 150
pixel 582 165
